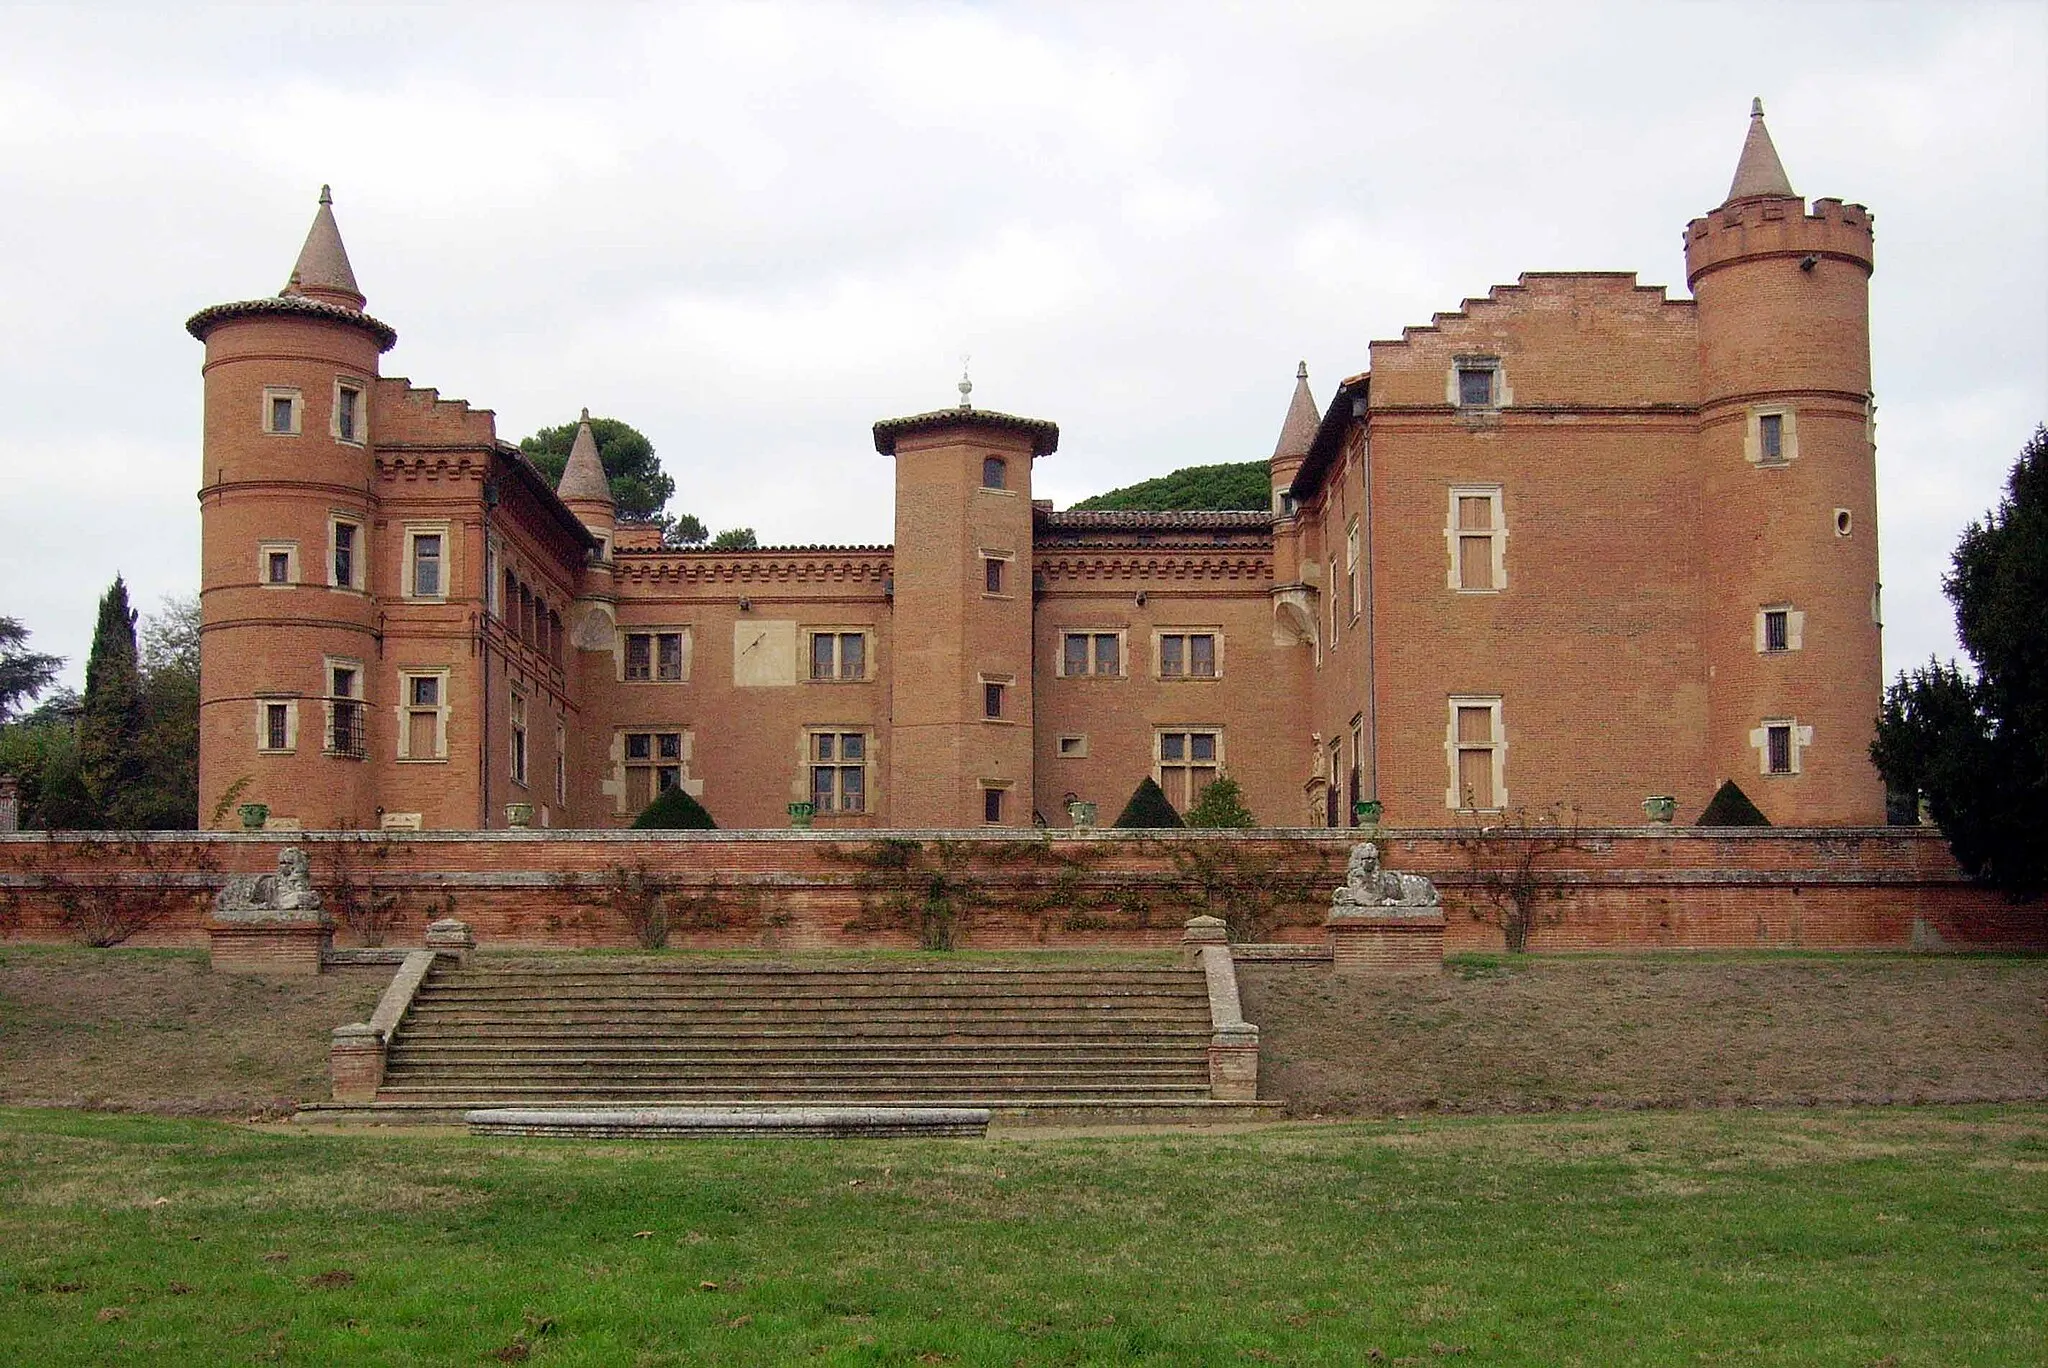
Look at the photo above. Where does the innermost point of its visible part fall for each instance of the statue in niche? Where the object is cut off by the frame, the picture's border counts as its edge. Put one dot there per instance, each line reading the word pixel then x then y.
pixel 1369 888
pixel 287 895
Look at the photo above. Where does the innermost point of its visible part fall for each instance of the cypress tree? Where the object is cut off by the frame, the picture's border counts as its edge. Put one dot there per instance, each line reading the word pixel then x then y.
pixel 110 755
pixel 1148 809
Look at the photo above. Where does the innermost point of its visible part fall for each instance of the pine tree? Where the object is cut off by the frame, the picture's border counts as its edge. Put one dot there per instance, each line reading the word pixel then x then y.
pixel 110 754
pixel 1148 809
pixel 1221 804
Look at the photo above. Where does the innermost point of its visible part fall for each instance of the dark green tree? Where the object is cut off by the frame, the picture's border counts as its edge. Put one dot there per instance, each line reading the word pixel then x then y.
pixel 1731 807
pixel 1246 485
pixel 1977 748
pixel 23 673
pixel 639 485
pixel 1148 809
pixel 169 797
pixel 735 539
pixel 674 810
pixel 110 725
pixel 40 750
pixel 1221 804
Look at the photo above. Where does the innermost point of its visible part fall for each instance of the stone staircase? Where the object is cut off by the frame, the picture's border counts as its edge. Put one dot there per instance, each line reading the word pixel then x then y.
pixel 1039 1043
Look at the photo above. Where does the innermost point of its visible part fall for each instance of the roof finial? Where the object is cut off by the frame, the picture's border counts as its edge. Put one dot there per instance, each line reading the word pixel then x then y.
pixel 326 194
pixel 1301 371
pixel 586 415
pixel 1756 107
pixel 966 386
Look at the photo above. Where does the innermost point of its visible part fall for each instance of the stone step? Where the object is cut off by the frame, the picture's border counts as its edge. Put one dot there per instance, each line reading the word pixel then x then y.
pixel 1108 1002
pixel 779 1093
pixel 919 977
pixel 785 1122
pixel 741 1051
pixel 1008 1112
pixel 743 1013
pixel 877 1073
pixel 992 1034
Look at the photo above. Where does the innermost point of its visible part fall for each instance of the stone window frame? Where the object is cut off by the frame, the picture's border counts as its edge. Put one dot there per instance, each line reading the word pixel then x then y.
pixel 361 389
pixel 1501 395
pixel 561 761
pixel 686 649
pixel 443 710
pixel 1071 746
pixel 409 568
pixel 518 750
pixel 1123 653
pixel 1353 599
pixel 1455 532
pixel 1004 700
pixel 1453 799
pixel 264 419
pixel 358 550
pixel 1331 591
pixel 623 763
pixel 332 702
pixel 836 634
pixel 1795 629
pixel 995 801
pixel 1187 762
pixel 290 705
pixel 264 551
pixel 1797 739
pixel 838 765
pixel 1186 634
pixel 1006 577
pixel 1788 435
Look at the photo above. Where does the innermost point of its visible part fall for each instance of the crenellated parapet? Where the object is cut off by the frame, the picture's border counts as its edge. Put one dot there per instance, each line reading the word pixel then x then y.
pixel 869 565
pixel 1758 229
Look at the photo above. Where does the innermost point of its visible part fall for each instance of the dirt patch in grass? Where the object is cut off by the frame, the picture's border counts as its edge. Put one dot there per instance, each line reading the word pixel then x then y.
pixel 157 1031
pixel 1550 1033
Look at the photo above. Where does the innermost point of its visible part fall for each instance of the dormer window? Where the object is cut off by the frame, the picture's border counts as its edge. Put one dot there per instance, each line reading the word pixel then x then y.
pixel 995 473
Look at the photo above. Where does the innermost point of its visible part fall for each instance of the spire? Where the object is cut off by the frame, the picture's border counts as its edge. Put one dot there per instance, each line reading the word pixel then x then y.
pixel 1298 432
pixel 583 477
pixel 1759 174
pixel 322 271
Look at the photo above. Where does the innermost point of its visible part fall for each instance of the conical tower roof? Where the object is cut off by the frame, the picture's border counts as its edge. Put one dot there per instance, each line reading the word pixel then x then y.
pixel 583 478
pixel 1759 174
pixel 322 271
pixel 1298 432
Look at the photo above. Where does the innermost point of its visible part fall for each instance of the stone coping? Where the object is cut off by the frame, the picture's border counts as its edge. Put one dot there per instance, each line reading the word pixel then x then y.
pixel 805 1121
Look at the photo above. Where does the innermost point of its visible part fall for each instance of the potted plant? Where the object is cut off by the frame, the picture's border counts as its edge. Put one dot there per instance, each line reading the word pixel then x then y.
pixel 518 814
pixel 800 815
pixel 1660 809
pixel 254 815
pixel 1367 811
pixel 1080 813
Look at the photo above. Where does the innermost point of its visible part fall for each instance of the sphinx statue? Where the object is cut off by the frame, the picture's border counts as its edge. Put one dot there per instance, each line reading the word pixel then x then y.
pixel 287 895
pixel 1369 888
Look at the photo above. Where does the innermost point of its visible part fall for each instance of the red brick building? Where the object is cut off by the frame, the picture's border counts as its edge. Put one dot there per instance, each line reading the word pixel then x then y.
pixel 1574 543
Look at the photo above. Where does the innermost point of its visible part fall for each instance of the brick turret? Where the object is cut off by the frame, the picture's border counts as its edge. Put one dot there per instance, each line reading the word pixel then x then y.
pixel 1789 494
pixel 289 630
pixel 961 709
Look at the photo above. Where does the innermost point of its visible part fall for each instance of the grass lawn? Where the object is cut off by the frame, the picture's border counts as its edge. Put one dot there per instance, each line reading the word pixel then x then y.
pixel 1894 1237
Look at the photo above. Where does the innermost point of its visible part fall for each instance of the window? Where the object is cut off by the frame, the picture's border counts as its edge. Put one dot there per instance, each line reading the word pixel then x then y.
pixel 1776 637
pixel 1842 522
pixel 1073 747
pixel 1354 778
pixel 995 472
pixel 660 657
pixel 277 725
pixel 426 563
pixel 519 739
pixel 1779 627
pixel 992 805
pixel 1780 743
pixel 654 765
pixel 1477 537
pixel 992 698
pixel 561 762
pixel 1332 595
pixel 346 539
pixel 1477 754
pixel 348 411
pixel 992 574
pixel 1092 653
pixel 1351 569
pixel 839 771
pixel 1476 383
pixel 1186 762
pixel 345 709
pixel 423 720
pixel 1333 795
pixel 281 411
pixel 839 655
pixel 1187 655
pixel 1772 437
pixel 277 563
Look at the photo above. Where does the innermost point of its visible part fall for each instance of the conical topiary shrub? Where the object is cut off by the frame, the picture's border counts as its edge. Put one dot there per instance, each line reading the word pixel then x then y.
pixel 1730 807
pixel 674 810
pixel 1148 808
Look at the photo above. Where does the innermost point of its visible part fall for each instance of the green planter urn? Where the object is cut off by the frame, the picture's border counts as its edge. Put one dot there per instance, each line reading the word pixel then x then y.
pixel 800 815
pixel 1661 809
pixel 518 814
pixel 1367 811
pixel 1081 814
pixel 254 815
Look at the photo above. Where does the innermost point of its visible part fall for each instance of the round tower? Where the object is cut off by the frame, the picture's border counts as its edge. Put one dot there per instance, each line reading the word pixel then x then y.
pixel 289 705
pixel 1789 496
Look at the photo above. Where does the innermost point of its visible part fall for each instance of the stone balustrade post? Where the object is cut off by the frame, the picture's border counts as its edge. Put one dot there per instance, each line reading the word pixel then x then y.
pixel 355 1061
pixel 452 939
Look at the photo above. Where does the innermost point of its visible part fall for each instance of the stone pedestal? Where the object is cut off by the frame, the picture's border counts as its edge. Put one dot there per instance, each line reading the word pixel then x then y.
pixel 355 1061
pixel 285 946
pixel 1234 1063
pixel 1200 931
pixel 451 938
pixel 1379 943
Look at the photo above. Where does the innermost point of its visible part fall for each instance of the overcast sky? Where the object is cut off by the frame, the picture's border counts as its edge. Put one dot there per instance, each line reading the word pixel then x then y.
pixel 752 231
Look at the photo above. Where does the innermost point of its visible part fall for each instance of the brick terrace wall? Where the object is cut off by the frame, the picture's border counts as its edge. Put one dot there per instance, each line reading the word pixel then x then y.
pixel 1629 888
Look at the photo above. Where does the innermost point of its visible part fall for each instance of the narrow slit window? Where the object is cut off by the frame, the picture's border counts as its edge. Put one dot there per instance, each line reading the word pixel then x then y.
pixel 1770 437
pixel 992 574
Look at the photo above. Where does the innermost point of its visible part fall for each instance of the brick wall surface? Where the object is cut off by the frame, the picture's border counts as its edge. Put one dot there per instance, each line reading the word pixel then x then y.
pixel 1623 889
